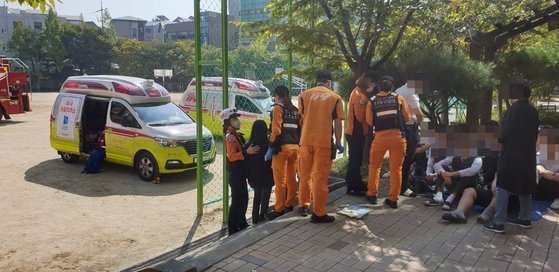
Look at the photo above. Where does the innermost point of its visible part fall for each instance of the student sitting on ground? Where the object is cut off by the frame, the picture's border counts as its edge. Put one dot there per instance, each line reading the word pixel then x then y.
pixel 456 174
pixel 547 167
pixel 422 174
pixel 482 196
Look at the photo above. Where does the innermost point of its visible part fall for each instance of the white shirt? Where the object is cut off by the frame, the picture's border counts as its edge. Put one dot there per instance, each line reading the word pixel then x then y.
pixel 550 165
pixel 474 169
pixel 430 162
pixel 412 99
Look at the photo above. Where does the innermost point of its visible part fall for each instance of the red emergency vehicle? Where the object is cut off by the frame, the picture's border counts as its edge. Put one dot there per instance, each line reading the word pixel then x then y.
pixel 14 87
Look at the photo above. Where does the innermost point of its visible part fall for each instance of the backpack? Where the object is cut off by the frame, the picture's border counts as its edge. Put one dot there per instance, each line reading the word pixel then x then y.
pixel 94 162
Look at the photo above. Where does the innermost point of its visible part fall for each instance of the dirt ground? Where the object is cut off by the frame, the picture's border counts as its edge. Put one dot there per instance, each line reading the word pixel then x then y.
pixel 53 218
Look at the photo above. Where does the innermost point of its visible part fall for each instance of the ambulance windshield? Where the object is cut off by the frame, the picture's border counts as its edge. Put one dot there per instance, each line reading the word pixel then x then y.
pixel 265 103
pixel 159 115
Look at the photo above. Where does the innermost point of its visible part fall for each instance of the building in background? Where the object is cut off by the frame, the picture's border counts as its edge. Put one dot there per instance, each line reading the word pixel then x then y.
pixel 34 19
pixel 130 27
pixel 155 30
pixel 252 11
pixel 210 30
pixel 234 7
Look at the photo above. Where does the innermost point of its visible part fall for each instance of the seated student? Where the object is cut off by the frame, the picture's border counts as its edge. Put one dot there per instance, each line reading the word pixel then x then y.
pixel 456 174
pixel 548 181
pixel 482 196
pixel 422 173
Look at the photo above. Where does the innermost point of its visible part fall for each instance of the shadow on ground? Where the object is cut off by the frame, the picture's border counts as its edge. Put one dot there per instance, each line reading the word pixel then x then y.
pixel 113 180
pixel 10 122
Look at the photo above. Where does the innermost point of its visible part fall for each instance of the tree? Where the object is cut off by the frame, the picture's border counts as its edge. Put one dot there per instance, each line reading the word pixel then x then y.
pixel 357 34
pixel 55 51
pixel 26 44
pixel 42 4
pixel 88 48
pixel 488 30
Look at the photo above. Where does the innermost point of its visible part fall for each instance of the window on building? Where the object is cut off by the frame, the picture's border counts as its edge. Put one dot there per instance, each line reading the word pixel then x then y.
pixel 148 30
pixel 134 33
pixel 3 31
pixel 38 25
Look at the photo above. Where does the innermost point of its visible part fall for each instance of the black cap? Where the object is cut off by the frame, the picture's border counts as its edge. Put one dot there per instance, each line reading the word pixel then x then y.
pixel 324 75
pixel 372 75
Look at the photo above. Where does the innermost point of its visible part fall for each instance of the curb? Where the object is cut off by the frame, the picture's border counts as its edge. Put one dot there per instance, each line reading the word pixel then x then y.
pixel 203 258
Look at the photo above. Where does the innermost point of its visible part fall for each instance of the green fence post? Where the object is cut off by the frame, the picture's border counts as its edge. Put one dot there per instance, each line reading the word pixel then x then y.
pixel 225 91
pixel 290 52
pixel 198 75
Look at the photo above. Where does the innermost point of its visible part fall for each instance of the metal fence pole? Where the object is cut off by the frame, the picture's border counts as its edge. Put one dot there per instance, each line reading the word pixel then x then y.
pixel 198 74
pixel 225 90
pixel 290 52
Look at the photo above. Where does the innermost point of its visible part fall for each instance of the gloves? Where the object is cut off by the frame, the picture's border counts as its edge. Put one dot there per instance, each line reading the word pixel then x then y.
pixel 269 153
pixel 340 148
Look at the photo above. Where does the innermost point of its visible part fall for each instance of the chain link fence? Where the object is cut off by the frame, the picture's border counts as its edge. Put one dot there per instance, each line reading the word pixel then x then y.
pixel 254 68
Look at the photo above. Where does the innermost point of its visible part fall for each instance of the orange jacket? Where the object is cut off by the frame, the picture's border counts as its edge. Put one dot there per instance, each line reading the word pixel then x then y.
pixel 277 121
pixel 404 109
pixel 319 107
pixel 233 147
pixel 356 111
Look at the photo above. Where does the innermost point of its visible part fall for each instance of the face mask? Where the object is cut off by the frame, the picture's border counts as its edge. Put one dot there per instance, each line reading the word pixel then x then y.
pixel 236 123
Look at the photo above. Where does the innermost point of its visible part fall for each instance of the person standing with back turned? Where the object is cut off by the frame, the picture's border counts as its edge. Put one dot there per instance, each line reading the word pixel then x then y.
pixel 516 170
pixel 284 141
pixel 387 113
pixel 319 107
pixel 357 131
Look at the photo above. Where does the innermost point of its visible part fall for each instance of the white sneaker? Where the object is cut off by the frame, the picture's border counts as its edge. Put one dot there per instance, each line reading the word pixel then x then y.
pixel 555 204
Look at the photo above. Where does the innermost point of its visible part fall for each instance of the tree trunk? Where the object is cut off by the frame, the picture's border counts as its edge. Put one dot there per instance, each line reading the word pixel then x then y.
pixel 444 114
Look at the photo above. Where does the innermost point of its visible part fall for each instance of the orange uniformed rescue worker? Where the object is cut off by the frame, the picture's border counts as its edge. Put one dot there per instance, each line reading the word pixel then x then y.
pixel 356 131
pixel 319 107
pixel 236 169
pixel 284 143
pixel 387 113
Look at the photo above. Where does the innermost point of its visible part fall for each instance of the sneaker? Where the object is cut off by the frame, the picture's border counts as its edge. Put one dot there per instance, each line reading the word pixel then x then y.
pixel 371 199
pixel 521 223
pixel 273 215
pixel 453 217
pixel 433 202
pixel 555 204
pixel 390 203
pixel 288 209
pixel 304 211
pixel 484 218
pixel 495 228
pixel 409 193
pixel 322 219
pixel 446 206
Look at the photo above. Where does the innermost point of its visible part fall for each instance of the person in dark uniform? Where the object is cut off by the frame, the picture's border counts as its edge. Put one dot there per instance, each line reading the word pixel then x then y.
pixel 259 172
pixel 516 171
pixel 236 169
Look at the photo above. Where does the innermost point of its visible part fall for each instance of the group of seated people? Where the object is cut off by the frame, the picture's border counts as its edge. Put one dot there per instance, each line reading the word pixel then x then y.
pixel 457 183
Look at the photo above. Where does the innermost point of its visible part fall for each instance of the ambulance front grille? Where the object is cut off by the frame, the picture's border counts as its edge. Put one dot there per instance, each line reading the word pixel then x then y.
pixel 190 146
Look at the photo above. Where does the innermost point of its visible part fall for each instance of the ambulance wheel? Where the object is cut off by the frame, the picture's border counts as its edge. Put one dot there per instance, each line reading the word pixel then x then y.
pixel 146 166
pixel 69 158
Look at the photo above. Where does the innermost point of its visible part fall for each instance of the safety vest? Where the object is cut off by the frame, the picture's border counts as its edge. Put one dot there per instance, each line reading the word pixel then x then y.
pixel 386 113
pixel 290 130
pixel 237 167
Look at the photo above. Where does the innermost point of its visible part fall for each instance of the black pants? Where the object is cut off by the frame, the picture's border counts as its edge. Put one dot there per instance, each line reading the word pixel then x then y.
pixel 260 202
pixel 412 139
pixel 239 203
pixel 547 190
pixel 356 144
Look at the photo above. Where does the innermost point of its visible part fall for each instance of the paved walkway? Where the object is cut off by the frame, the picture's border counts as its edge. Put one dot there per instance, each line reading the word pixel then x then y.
pixel 410 238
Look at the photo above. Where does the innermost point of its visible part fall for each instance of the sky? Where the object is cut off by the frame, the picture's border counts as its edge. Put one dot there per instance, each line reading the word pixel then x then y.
pixel 144 9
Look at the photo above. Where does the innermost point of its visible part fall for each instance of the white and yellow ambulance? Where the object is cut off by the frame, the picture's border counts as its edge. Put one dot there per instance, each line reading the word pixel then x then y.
pixel 132 119
pixel 251 98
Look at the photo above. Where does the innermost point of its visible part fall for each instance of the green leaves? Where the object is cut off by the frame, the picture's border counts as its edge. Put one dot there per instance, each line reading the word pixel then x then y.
pixel 41 4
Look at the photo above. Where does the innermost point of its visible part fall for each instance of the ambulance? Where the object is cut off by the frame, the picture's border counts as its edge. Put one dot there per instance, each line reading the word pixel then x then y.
pixel 132 119
pixel 251 98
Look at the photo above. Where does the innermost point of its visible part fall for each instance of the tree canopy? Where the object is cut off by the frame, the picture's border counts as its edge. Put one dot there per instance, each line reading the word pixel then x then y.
pixel 43 5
